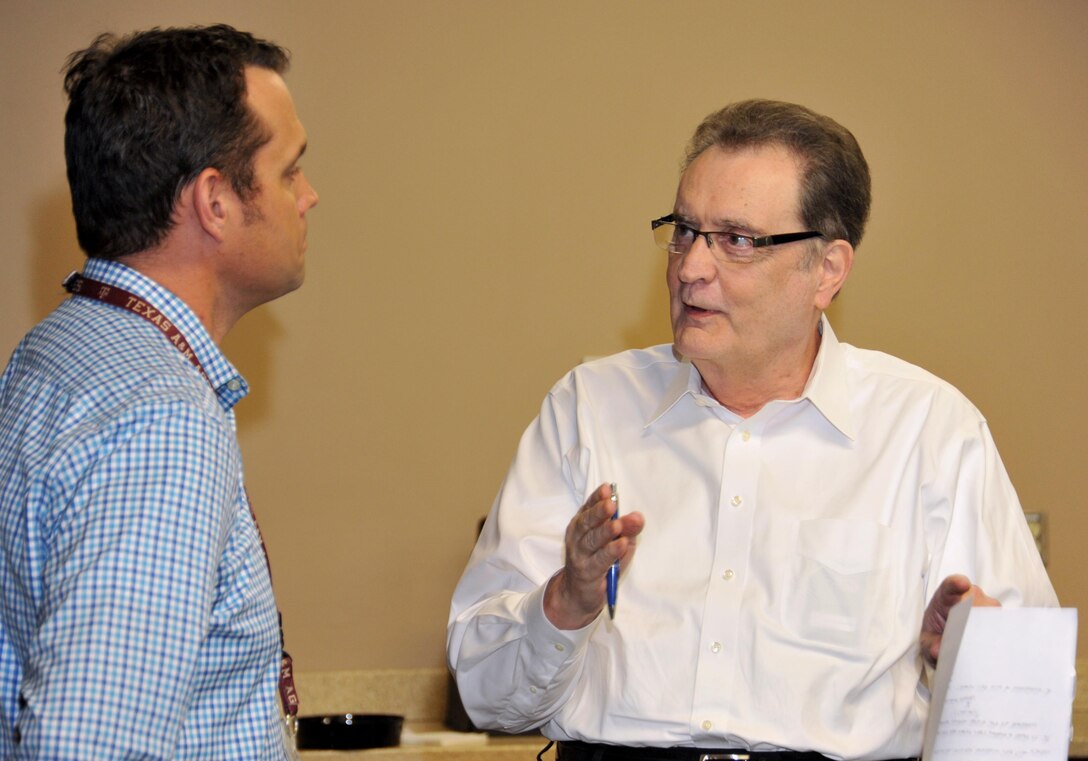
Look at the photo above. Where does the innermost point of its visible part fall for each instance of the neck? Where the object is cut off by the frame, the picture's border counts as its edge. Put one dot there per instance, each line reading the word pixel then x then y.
pixel 745 387
pixel 191 283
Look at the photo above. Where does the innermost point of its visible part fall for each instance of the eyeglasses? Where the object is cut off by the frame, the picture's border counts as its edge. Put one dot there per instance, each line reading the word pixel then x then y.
pixel 677 238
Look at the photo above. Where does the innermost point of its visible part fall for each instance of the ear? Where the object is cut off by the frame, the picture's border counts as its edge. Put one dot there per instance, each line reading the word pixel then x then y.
pixel 835 266
pixel 215 204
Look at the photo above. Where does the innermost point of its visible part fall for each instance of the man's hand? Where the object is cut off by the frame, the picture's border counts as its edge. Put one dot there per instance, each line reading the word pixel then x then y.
pixel 952 590
pixel 575 595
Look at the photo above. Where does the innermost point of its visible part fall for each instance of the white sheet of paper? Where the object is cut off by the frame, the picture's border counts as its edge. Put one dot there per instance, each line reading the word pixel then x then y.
pixel 1004 685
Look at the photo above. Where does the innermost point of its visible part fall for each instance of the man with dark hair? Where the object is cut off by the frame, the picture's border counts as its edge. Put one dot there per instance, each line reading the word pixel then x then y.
pixel 136 610
pixel 806 512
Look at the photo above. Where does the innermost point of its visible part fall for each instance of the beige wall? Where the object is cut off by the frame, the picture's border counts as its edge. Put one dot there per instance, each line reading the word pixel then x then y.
pixel 487 172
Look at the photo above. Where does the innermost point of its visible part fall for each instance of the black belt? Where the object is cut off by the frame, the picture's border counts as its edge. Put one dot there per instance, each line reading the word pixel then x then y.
pixel 580 751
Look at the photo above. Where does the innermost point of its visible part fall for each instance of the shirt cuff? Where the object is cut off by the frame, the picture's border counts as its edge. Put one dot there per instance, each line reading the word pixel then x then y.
pixel 544 636
pixel 551 657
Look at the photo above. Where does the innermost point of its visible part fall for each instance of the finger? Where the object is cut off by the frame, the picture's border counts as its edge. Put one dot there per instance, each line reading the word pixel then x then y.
pixel 588 514
pixel 597 509
pixel 955 586
pixel 590 535
pixel 631 524
pixel 619 536
pixel 597 539
pixel 982 600
pixel 598 514
pixel 931 650
pixel 602 493
pixel 952 590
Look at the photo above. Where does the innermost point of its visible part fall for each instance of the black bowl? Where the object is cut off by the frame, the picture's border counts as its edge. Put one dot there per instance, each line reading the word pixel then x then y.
pixel 348 731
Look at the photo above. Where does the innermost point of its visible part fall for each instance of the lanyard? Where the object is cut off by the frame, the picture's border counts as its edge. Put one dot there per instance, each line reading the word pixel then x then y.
pixel 79 285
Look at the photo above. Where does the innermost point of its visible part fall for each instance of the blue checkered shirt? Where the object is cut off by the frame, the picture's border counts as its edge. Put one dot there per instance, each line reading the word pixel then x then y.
pixel 136 610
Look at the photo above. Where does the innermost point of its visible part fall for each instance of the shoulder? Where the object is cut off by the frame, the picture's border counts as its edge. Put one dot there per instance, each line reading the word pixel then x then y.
pixel 878 366
pixel 99 359
pixel 88 383
pixel 895 385
pixel 628 386
pixel 655 366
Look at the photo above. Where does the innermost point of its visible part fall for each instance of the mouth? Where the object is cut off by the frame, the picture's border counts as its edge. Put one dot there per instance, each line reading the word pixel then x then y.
pixel 694 310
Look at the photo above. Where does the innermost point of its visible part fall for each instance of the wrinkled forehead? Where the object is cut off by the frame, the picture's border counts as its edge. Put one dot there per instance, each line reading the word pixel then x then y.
pixel 757 185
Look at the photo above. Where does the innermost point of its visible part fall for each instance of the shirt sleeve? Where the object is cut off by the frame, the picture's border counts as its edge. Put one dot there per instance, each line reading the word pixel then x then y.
pixel 130 538
pixel 514 669
pixel 984 534
pixel 9 688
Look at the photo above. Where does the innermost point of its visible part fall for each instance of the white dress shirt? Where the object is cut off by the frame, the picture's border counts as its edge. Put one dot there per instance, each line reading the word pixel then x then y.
pixel 776 594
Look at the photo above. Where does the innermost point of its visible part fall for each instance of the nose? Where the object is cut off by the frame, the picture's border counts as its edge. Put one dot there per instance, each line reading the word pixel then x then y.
pixel 698 262
pixel 308 198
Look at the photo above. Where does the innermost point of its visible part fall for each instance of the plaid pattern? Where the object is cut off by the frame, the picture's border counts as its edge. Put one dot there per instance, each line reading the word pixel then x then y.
pixel 136 611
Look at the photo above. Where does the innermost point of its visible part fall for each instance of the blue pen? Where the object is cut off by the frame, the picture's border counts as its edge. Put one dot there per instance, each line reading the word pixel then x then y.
pixel 614 569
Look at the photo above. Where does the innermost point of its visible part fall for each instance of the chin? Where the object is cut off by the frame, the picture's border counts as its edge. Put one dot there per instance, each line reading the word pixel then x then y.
pixel 293 284
pixel 697 345
pixel 689 337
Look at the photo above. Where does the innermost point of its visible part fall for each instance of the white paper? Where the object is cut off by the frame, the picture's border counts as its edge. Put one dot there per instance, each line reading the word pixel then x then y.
pixel 1004 685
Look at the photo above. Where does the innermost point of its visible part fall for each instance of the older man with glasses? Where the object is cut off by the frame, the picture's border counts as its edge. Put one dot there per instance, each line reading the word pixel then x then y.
pixel 805 512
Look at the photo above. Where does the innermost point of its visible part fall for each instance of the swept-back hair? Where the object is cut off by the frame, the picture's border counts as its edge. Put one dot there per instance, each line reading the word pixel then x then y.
pixel 835 187
pixel 146 114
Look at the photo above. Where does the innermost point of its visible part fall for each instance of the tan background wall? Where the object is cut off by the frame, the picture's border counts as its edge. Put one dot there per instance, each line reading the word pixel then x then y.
pixel 487 173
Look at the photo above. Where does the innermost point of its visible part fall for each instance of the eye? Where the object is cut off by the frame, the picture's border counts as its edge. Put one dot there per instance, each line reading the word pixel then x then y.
pixel 735 241
pixel 683 232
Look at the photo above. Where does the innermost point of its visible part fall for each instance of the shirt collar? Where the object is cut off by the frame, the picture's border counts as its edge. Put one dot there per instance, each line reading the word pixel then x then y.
pixel 228 383
pixel 685 381
pixel 828 384
pixel 827 387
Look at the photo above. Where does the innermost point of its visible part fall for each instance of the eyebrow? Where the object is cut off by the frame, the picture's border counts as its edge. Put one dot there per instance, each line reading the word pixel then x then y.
pixel 721 223
pixel 293 163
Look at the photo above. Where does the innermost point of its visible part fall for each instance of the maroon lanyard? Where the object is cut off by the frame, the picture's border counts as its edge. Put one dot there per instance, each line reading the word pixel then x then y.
pixel 79 285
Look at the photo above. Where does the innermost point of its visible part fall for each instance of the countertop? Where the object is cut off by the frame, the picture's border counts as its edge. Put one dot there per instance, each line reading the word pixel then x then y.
pixel 420 695
pixel 473 748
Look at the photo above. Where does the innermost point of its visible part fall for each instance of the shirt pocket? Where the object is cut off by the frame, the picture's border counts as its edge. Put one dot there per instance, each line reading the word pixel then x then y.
pixel 841 595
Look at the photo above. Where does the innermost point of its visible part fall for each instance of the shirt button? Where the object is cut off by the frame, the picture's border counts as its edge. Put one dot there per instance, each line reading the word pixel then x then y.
pixel 728 574
pixel 716 647
pixel 559 646
pixel 234 384
pixel 708 725
pixel 735 502
pixel 746 435
pixel 532 689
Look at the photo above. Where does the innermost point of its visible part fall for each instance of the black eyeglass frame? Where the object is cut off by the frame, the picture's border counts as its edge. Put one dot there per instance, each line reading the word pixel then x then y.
pixel 761 241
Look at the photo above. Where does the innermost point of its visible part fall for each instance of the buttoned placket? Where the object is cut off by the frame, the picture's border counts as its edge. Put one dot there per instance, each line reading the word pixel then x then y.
pixel 718 661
